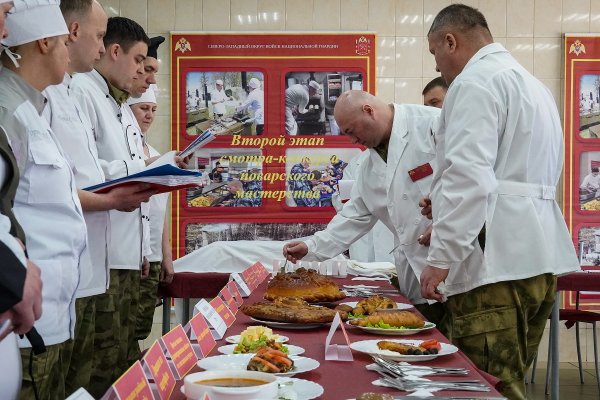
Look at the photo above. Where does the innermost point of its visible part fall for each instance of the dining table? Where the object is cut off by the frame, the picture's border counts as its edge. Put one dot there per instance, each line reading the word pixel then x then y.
pixel 342 380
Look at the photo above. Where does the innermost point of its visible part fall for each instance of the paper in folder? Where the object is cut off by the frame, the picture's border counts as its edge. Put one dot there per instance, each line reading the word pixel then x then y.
pixel 200 141
pixel 162 174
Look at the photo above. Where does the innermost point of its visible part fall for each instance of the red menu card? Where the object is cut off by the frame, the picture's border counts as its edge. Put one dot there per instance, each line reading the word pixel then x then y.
pixel 225 294
pixel 161 373
pixel 132 385
pixel 201 332
pixel 221 309
pixel 180 350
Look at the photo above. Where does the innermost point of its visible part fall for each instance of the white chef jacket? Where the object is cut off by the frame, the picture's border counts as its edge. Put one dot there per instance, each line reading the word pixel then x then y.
pixel 256 102
pixel 135 135
pixel 46 205
pixel 499 149
pixel 118 140
pixel 296 97
pixel 590 181
pixel 378 243
pixel 384 192
pixel 158 209
pixel 74 133
pixel 221 97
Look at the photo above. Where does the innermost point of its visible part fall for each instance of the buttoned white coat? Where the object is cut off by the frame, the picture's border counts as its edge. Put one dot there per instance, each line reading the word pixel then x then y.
pixel 385 192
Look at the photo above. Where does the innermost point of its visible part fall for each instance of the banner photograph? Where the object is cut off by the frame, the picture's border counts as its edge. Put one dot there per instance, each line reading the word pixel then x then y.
pixel 277 155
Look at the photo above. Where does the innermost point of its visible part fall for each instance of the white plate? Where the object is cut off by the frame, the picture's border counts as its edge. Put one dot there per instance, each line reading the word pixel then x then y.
pixel 401 306
pixel 290 325
pixel 394 332
pixel 305 390
pixel 236 339
pixel 370 347
pixel 240 361
pixel 292 350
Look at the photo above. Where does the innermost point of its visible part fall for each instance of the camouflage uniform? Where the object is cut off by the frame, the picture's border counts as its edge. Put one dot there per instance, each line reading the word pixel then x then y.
pixel 129 348
pixel 145 310
pixel 337 170
pixel 110 343
pixel 47 370
pixel 301 185
pixel 253 187
pixel 78 370
pixel 499 326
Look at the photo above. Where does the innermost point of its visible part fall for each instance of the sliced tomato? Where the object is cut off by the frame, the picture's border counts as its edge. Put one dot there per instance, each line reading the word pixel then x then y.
pixel 431 344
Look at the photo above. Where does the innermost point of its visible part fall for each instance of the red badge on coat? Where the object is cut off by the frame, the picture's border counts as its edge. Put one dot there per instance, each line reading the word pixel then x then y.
pixel 420 172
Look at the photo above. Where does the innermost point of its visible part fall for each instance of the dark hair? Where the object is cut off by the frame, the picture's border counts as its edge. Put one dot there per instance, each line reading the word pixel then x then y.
pixel 75 7
pixel 439 81
pixel 460 16
pixel 124 32
pixel 316 174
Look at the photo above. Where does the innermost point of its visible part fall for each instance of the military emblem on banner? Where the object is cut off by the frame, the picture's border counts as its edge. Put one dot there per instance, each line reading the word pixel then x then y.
pixel 577 47
pixel 363 46
pixel 183 45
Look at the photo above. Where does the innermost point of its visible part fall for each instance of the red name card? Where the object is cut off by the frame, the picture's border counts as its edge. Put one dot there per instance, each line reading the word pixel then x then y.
pixel 263 272
pixel 180 350
pixel 201 332
pixel 229 301
pixel 221 309
pixel 161 373
pixel 132 385
pixel 239 280
pixel 249 275
pixel 233 288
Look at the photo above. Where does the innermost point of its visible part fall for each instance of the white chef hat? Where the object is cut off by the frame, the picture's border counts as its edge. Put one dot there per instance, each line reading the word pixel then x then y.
pixel 149 96
pixel 219 82
pixel 314 85
pixel 31 20
pixel 254 83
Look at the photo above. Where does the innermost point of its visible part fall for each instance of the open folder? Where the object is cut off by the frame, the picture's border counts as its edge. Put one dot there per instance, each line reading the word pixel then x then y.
pixel 162 174
pixel 199 142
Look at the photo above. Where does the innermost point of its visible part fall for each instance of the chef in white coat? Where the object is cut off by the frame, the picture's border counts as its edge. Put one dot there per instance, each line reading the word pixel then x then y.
pixel 499 148
pixel 255 102
pixel 102 94
pixel 388 187
pixel 296 100
pixel 46 202
pixel 378 243
pixel 218 99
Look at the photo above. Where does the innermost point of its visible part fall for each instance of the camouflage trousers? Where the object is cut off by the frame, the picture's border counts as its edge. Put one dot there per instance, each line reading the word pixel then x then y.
pixel 142 319
pixel 499 327
pixel 46 373
pixel 109 359
pixel 147 303
pixel 78 368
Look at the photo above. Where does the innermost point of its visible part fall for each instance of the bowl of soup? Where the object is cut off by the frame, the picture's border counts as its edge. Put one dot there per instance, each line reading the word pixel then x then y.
pixel 231 385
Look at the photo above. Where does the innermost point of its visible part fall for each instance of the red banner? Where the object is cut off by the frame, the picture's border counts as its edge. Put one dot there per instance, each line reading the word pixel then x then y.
pixel 581 184
pixel 278 154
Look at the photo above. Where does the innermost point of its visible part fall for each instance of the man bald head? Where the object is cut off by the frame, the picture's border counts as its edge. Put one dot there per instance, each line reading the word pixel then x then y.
pixel 364 118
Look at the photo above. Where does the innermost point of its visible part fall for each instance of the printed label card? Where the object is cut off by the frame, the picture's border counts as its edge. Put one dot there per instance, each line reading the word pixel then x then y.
pixel 235 291
pixel 225 313
pixel 225 294
pixel 244 289
pixel 179 349
pixel 158 367
pixel 131 385
pixel 213 318
pixel 200 331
